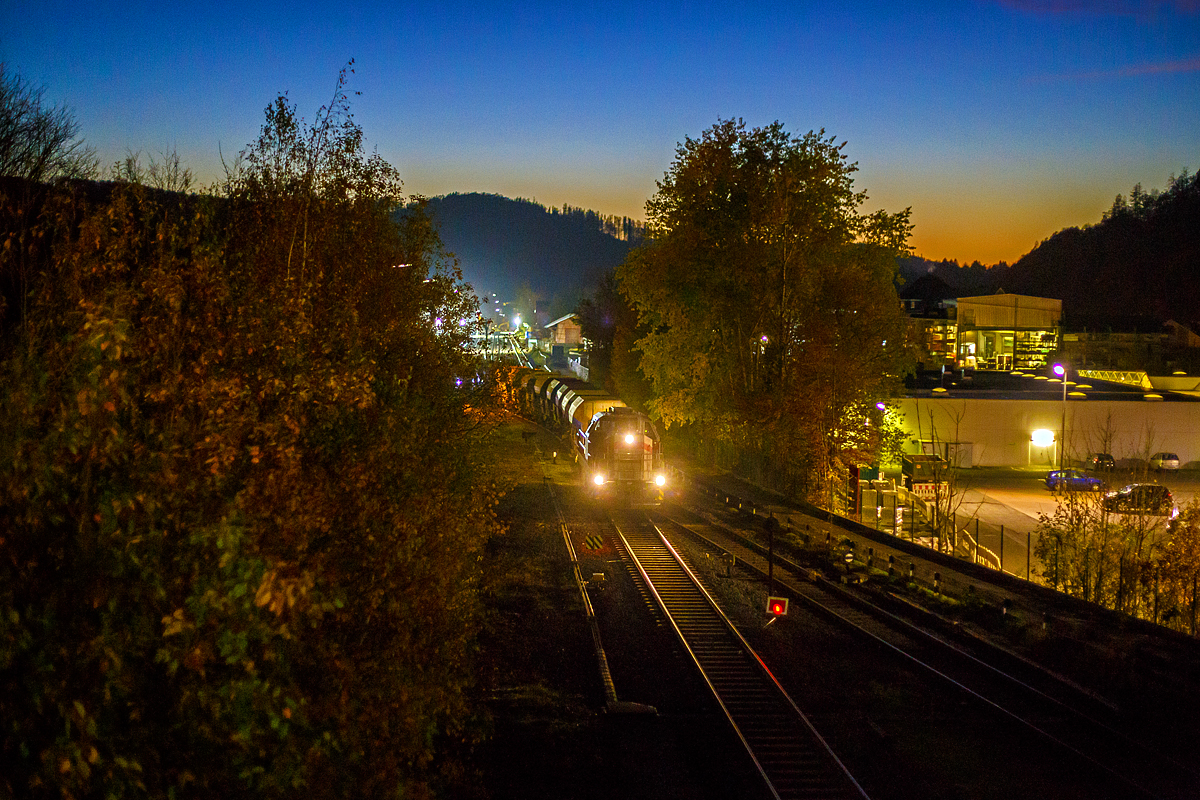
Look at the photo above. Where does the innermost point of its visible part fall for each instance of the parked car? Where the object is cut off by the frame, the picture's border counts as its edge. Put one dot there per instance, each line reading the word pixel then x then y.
pixel 1161 461
pixel 1071 480
pixel 1142 498
pixel 1100 462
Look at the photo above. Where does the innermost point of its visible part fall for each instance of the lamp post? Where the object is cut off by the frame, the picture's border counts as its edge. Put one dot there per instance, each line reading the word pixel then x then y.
pixel 1061 371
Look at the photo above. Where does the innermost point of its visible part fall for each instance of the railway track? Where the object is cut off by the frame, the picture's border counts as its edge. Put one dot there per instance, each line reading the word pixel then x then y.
pixel 790 755
pixel 1066 718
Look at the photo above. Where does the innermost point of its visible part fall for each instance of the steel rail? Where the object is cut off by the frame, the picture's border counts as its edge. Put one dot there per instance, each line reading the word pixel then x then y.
pixel 861 615
pixel 794 760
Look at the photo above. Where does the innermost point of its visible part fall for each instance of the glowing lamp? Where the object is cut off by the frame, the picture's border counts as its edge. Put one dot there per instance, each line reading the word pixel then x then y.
pixel 630 438
pixel 1042 437
pixel 777 606
pixel 598 479
pixel 660 480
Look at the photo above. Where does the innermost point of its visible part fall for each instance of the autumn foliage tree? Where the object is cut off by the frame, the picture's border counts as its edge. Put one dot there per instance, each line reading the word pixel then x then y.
pixel 239 518
pixel 1140 564
pixel 773 323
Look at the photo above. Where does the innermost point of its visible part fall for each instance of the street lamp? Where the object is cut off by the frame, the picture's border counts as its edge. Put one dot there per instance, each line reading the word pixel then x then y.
pixel 1061 371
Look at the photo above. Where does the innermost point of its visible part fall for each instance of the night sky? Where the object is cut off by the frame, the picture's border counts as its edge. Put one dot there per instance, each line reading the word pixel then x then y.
pixel 998 122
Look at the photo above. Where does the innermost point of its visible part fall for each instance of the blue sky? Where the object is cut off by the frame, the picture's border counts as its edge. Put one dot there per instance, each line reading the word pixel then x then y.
pixel 998 122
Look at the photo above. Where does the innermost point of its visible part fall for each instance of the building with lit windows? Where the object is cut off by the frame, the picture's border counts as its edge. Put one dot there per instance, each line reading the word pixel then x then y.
pixel 1003 332
pixel 930 304
pixel 997 332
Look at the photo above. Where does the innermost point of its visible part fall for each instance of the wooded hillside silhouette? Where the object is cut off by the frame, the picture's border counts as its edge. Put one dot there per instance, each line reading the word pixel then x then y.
pixel 1141 260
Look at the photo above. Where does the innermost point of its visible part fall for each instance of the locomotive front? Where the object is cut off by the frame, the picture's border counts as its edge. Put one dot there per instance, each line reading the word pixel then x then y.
pixel 623 453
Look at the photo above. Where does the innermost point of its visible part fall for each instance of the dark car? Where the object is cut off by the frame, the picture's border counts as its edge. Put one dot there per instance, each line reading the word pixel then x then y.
pixel 1071 480
pixel 1100 462
pixel 1142 498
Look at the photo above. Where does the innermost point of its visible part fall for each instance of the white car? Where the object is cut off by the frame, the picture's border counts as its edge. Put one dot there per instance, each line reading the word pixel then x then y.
pixel 1161 461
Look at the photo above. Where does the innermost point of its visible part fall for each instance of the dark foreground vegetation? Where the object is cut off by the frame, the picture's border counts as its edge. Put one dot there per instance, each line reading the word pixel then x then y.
pixel 240 523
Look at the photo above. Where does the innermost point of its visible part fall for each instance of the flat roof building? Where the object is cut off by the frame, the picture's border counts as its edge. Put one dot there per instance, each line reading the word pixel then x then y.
pixel 1007 331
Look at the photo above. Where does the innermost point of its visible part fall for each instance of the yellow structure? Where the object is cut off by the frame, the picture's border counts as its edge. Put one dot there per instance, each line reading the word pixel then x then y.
pixel 1007 331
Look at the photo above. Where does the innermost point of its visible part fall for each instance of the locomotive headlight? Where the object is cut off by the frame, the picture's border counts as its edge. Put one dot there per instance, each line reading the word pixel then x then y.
pixel 660 480
pixel 598 479
pixel 630 438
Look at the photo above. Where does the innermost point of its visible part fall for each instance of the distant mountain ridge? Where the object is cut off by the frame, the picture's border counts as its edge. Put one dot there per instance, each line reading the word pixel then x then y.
pixel 1140 262
pixel 515 248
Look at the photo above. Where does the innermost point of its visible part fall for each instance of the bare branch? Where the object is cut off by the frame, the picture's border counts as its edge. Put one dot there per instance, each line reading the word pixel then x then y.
pixel 38 143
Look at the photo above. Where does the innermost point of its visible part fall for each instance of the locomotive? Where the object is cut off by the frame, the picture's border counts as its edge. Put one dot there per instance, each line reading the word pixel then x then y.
pixel 618 449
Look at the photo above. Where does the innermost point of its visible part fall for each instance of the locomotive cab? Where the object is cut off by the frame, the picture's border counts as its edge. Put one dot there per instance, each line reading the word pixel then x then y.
pixel 622 452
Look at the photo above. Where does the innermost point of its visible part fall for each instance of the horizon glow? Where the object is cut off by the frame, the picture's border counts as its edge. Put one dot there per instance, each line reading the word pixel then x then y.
pixel 999 123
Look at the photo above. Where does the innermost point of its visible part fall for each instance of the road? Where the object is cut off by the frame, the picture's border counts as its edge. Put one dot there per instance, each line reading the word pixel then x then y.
pixel 1023 491
pixel 1003 505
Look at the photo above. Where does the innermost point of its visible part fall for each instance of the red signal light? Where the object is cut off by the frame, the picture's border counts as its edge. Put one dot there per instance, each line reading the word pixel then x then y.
pixel 777 606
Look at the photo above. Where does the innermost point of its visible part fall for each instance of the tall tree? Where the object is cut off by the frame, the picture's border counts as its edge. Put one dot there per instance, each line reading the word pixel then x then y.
pixel 239 520
pixel 610 328
pixel 38 142
pixel 769 299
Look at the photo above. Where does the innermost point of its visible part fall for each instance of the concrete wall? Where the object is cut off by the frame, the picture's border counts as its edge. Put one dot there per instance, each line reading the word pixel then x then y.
pixel 999 430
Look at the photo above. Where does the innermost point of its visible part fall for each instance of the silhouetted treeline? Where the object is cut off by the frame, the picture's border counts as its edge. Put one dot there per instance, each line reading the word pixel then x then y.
pixel 1142 257
pixel 623 228
pixel 966 279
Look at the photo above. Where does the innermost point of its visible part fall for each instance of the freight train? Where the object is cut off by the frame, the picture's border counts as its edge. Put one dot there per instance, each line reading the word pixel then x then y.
pixel 617 448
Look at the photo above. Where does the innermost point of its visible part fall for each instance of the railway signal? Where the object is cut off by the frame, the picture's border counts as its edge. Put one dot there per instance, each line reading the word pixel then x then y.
pixel 777 606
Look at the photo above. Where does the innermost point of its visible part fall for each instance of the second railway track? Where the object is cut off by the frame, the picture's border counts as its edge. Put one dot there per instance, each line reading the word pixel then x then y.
pixel 1060 715
pixel 790 754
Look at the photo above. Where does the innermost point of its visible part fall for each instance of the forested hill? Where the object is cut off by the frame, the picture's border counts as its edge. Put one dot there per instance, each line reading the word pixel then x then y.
pixel 519 247
pixel 1142 259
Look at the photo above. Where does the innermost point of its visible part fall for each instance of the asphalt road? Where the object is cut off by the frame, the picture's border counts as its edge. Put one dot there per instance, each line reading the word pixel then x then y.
pixel 1023 493
pixel 1003 506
